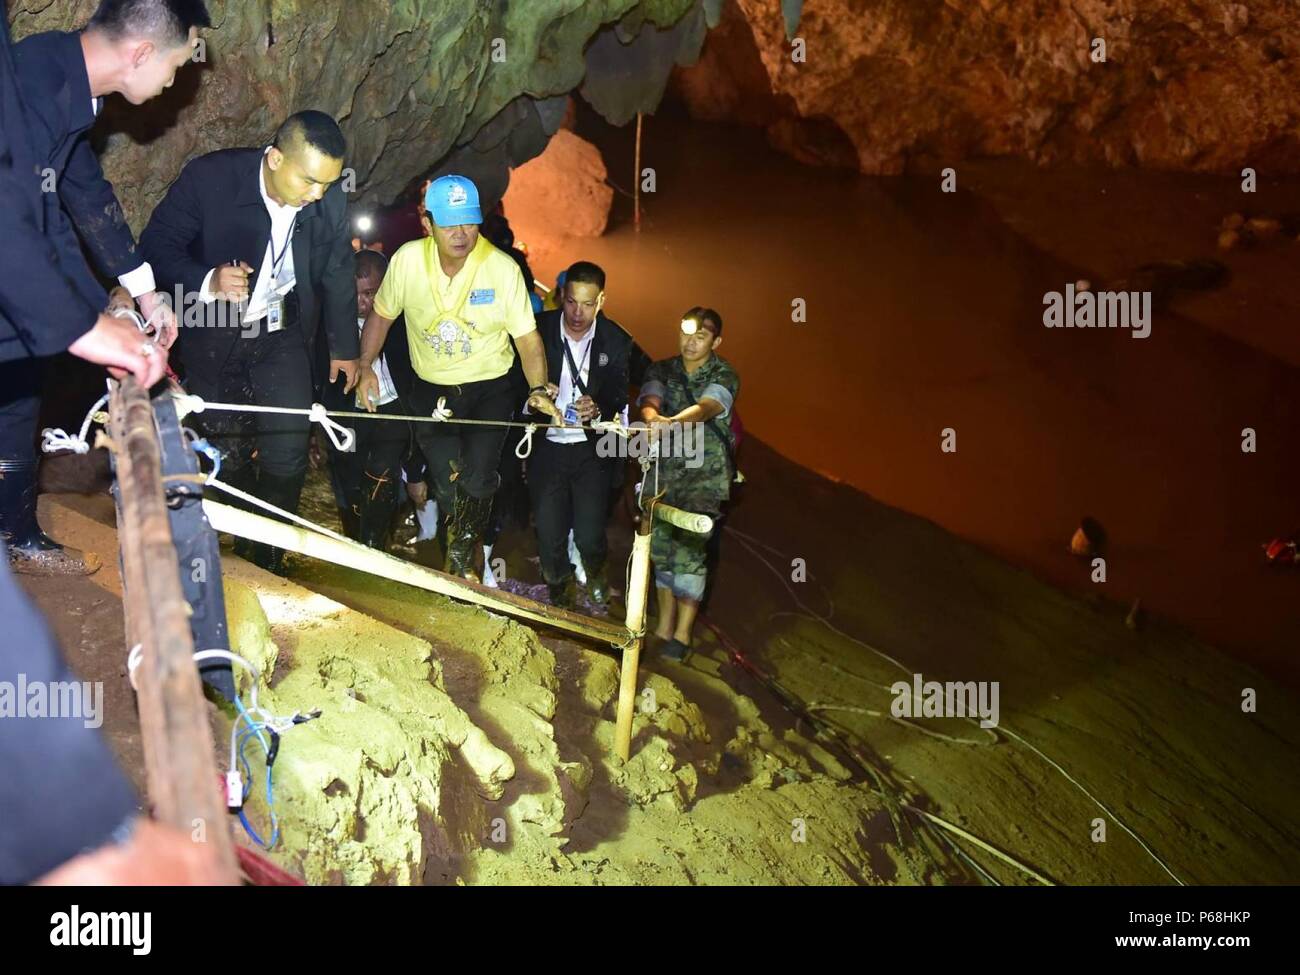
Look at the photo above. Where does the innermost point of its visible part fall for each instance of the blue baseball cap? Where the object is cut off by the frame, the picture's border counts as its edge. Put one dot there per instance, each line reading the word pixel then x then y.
pixel 452 201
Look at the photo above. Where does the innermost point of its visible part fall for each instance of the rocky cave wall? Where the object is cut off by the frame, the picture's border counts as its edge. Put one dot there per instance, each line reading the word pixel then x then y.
pixel 1201 85
pixel 418 85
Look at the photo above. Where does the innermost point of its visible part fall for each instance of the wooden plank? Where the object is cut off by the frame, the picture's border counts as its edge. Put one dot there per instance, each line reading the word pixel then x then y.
pixel 354 555
pixel 180 766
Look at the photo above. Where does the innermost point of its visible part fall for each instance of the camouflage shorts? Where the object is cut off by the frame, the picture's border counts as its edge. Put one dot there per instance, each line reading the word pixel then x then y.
pixel 680 556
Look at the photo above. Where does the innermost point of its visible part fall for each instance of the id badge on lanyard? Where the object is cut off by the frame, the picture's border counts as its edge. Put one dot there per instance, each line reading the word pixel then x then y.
pixel 275 300
pixel 275 313
pixel 579 388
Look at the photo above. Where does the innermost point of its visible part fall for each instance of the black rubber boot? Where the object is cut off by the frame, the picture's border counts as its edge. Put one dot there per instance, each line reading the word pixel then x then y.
pixel 31 551
pixel 284 493
pixel 469 522
pixel 350 520
pixel 597 585
pixel 378 502
pixel 561 593
pixel 245 479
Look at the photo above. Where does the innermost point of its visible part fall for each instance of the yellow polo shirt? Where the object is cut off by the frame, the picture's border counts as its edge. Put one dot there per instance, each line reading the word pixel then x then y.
pixel 459 329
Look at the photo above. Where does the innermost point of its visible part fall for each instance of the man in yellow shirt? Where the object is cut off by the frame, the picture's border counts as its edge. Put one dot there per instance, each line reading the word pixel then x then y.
pixel 467 311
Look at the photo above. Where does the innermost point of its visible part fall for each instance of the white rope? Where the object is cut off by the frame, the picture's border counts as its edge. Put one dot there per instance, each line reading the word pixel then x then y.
pixel 302 522
pixel 54 439
pixel 1102 805
pixel 133 315
pixel 614 426
pixel 525 446
pixel 343 438
pixel 189 403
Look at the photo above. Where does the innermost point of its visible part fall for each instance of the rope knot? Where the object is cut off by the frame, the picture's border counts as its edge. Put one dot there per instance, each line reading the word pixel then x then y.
pixel 441 413
pixel 187 403
pixel 614 426
pixel 525 446
pixel 343 438
pixel 53 439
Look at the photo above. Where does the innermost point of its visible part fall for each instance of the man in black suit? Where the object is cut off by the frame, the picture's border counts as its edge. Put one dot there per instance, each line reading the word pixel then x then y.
pixel 257 244
pixel 568 479
pixel 69 813
pixel 133 48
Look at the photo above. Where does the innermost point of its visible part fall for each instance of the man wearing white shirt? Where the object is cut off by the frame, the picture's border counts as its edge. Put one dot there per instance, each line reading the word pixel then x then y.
pixel 568 481
pixel 133 48
pixel 258 240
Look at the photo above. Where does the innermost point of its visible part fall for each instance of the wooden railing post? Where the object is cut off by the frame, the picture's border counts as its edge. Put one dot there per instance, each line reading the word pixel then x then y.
pixel 180 767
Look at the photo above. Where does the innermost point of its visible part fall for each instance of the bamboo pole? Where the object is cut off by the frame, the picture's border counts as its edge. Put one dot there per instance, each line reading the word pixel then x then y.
pixel 689 520
pixel 180 767
pixel 356 556
pixel 637 593
pixel 636 184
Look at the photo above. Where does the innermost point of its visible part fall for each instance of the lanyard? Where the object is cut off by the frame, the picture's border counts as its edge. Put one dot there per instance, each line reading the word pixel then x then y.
pixel 276 262
pixel 586 359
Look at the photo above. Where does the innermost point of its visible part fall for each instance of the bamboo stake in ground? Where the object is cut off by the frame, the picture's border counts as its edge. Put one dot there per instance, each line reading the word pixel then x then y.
pixel 178 749
pixel 637 591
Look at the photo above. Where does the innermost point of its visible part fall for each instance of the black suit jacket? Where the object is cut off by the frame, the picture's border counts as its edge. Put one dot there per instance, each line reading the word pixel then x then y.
pixel 607 374
pixel 43 306
pixel 214 214
pixel 56 92
pixel 63 792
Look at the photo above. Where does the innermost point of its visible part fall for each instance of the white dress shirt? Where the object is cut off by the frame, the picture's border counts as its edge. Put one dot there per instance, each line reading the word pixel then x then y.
pixel 387 388
pixel 569 391
pixel 280 244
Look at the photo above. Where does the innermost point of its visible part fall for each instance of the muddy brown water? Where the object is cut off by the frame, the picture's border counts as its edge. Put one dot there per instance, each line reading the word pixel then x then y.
pixel 924 314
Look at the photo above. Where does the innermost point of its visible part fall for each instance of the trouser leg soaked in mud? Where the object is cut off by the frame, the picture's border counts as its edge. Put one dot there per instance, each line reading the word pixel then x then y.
pixel 264 454
pixel 463 460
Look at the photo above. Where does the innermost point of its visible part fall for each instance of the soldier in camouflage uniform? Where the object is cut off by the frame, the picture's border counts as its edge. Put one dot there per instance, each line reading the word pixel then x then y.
pixel 691 393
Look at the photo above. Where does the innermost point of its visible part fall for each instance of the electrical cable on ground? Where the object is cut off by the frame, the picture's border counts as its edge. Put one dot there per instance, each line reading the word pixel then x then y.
pixel 750 543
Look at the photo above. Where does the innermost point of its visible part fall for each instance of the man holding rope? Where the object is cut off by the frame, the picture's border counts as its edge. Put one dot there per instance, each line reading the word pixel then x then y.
pixel 464 302
pixel 700 388
pixel 569 477
pixel 70 814
pixel 134 48
pixel 259 241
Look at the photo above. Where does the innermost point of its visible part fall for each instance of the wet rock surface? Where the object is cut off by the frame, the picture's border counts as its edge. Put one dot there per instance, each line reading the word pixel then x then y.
pixel 891 83
pixel 415 85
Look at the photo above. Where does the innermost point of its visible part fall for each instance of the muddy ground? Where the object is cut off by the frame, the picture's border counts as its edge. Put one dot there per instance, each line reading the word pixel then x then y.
pixel 1147 720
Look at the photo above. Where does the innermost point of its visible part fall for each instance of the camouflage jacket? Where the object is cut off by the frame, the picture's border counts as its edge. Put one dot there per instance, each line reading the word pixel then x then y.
pixel 700 469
